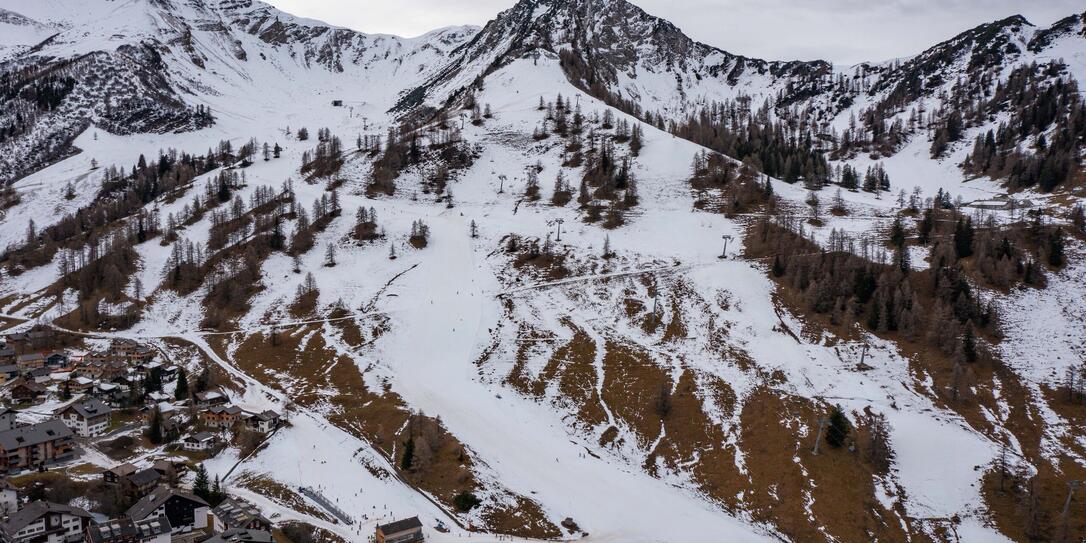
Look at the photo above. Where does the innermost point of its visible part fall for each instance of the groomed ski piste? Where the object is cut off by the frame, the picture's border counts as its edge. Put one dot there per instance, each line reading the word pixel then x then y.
pixel 445 307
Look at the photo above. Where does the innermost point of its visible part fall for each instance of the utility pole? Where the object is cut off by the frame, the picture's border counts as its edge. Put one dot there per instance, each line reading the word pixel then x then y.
pixel 863 353
pixel 727 238
pixel 821 428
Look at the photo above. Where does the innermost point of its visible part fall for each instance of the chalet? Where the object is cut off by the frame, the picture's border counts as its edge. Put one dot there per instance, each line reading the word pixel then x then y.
pixel 81 385
pixel 8 372
pixel 9 498
pixel 46 522
pixel 58 377
pixel 36 445
pixel 209 398
pixel 121 530
pixel 168 373
pixel 185 511
pixel 116 474
pixel 141 482
pixel 221 416
pixel 21 391
pixel 234 513
pixel 144 370
pixel 7 418
pixel 30 361
pixel 154 530
pixel 17 340
pixel 171 427
pixel 159 397
pixel 88 417
pixel 131 351
pixel 40 375
pixel 401 531
pixel 104 370
pixel 263 422
pixel 242 536
pixel 56 359
pixel 97 357
pixel 169 470
pixel 202 441
pixel 7 355
pixel 111 393
pixel 1001 202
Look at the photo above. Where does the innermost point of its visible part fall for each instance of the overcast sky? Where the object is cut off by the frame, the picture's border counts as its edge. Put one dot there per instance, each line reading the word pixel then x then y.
pixel 841 31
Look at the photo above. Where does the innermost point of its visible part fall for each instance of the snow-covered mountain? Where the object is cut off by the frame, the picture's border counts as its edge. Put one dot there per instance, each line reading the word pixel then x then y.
pixel 502 245
pixel 147 66
pixel 617 48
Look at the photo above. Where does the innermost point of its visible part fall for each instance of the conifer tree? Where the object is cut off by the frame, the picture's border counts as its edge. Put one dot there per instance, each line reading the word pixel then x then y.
pixel 839 428
pixel 408 460
pixel 969 344
pixel 202 486
pixel 330 255
pixel 217 494
pixel 897 233
pixel 963 238
pixel 154 430
pixel 181 391
pixel 1055 248
pixel 927 224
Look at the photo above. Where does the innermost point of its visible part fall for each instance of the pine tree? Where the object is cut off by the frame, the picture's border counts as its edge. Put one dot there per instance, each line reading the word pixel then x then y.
pixel 154 430
pixel 409 451
pixel 778 266
pixel 839 428
pixel 181 391
pixel 927 224
pixel 897 233
pixel 217 494
pixel 969 344
pixel 1078 217
pixel 963 238
pixel 878 450
pixel 330 255
pixel 1055 248
pixel 635 140
pixel 203 380
pixel 202 486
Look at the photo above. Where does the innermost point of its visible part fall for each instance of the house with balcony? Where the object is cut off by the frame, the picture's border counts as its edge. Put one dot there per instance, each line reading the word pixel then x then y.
pixel 46 522
pixel 89 417
pixel 42 444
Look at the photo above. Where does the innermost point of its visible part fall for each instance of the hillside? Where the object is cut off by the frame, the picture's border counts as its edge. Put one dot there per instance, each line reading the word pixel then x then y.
pixel 503 246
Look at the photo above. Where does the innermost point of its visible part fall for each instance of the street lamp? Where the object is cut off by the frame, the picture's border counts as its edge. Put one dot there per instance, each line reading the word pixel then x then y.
pixel 727 238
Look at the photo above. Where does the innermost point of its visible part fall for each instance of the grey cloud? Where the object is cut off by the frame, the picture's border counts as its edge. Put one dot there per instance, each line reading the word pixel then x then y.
pixel 841 31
